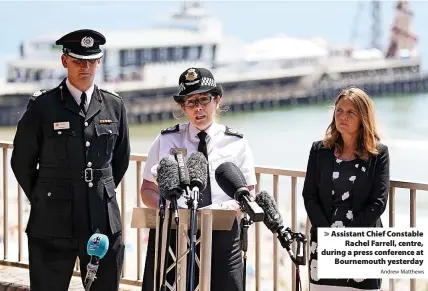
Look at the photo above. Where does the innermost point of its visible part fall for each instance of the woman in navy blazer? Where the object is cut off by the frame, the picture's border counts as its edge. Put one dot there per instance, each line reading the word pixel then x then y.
pixel 347 180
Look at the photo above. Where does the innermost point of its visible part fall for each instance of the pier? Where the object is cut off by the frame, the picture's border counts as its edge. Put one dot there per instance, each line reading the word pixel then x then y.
pixel 276 95
pixel 15 210
pixel 152 105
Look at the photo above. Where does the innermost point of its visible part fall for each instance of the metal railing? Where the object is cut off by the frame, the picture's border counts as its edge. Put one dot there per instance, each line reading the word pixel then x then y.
pixel 137 160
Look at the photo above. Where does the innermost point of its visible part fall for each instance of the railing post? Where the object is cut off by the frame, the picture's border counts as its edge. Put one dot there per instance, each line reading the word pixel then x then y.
pixel 257 242
pixel 293 223
pixel 123 216
pixel 138 229
pixel 412 224
pixel 391 224
pixel 5 206
pixel 19 224
pixel 275 241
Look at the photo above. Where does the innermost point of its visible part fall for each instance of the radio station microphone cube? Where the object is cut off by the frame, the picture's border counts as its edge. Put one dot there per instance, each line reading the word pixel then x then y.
pixel 97 248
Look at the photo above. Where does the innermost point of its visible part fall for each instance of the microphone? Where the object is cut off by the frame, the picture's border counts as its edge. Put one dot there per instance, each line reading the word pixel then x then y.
pixel 161 200
pixel 183 173
pixel 274 222
pixel 197 165
pixel 232 182
pixel 96 247
pixel 169 182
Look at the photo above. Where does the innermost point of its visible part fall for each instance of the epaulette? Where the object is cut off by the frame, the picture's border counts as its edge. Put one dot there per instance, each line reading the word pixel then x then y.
pixel 171 129
pixel 232 132
pixel 38 93
pixel 110 91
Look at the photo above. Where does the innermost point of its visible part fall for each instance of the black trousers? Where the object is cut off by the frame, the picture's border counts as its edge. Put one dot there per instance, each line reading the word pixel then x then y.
pixel 52 262
pixel 226 266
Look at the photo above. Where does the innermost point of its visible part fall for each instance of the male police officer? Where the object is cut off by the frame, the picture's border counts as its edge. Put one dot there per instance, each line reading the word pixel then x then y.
pixel 71 150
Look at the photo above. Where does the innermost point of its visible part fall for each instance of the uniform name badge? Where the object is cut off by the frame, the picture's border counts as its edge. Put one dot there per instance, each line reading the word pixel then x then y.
pixel 61 125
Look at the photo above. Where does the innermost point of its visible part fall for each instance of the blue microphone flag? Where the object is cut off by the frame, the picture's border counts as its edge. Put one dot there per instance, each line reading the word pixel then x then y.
pixel 97 245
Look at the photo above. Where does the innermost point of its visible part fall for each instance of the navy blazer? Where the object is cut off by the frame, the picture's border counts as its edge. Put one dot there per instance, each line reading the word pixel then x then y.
pixel 371 188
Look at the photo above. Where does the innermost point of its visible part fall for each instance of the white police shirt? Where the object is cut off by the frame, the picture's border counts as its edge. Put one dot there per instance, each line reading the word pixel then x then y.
pixel 76 93
pixel 223 145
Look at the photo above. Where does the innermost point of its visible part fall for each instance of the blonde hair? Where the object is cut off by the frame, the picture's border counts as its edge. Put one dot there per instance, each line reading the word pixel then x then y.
pixel 368 136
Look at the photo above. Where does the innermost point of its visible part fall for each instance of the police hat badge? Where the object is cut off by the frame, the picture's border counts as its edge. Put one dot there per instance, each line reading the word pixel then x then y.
pixel 82 44
pixel 196 81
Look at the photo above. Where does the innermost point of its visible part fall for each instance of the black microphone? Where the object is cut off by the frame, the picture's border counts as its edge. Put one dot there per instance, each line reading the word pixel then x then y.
pixel 232 182
pixel 169 182
pixel 273 221
pixel 197 165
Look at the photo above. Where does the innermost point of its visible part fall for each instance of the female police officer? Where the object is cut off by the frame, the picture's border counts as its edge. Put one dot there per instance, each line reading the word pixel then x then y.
pixel 199 98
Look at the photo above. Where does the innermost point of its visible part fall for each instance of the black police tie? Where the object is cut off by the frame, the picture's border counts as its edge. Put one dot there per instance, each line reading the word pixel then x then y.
pixel 206 193
pixel 83 102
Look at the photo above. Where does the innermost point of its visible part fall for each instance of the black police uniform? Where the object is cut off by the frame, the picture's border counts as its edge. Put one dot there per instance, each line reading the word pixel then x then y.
pixel 227 265
pixel 69 165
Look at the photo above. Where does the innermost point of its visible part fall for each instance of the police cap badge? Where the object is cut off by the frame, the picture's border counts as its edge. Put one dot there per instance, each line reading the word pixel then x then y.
pixel 196 81
pixel 82 44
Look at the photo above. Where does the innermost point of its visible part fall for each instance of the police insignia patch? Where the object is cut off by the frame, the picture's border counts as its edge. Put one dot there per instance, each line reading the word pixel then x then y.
pixel 191 75
pixel 171 129
pixel 229 131
pixel 38 93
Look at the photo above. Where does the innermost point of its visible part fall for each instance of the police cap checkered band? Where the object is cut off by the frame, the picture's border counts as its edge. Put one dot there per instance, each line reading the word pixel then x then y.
pixel 196 81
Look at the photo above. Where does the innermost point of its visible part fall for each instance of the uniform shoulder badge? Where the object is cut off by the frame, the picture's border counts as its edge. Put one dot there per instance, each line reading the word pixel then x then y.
pixel 38 93
pixel 233 132
pixel 110 91
pixel 171 129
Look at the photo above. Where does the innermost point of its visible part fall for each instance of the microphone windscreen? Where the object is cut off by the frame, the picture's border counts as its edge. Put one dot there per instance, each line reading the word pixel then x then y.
pixel 272 219
pixel 97 245
pixel 230 178
pixel 168 177
pixel 197 166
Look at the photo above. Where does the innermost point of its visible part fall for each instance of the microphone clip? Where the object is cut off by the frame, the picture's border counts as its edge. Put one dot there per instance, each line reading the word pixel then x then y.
pixel 192 197
pixel 286 237
pixel 91 272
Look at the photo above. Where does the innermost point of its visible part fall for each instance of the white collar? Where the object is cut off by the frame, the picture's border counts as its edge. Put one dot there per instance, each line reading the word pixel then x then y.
pixel 211 131
pixel 76 93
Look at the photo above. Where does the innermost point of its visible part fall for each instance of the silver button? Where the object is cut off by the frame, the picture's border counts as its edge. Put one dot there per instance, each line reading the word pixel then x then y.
pixel 90 184
pixel 89 164
pixel 88 144
pixel 49 193
pixel 86 124
pixel 59 132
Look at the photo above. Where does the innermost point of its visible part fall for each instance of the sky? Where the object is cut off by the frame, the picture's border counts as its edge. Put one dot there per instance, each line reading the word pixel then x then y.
pixel 335 21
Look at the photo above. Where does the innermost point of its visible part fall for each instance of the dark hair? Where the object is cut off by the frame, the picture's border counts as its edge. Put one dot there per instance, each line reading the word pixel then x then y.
pixel 368 136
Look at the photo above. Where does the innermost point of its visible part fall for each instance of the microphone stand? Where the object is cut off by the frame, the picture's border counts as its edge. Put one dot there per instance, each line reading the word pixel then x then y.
pixel 286 237
pixel 161 220
pixel 92 269
pixel 193 205
pixel 168 242
pixel 245 224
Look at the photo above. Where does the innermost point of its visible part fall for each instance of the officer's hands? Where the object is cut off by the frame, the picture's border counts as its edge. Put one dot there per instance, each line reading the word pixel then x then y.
pixel 231 205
